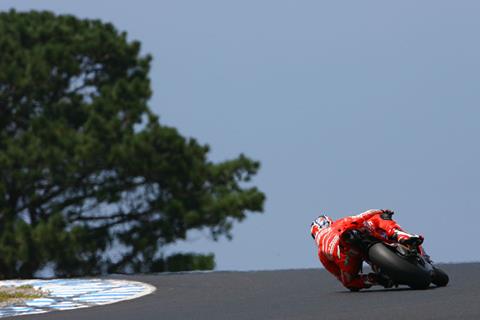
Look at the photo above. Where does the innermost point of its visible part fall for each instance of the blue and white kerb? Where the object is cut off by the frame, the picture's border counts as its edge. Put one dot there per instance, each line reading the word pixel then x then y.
pixel 65 294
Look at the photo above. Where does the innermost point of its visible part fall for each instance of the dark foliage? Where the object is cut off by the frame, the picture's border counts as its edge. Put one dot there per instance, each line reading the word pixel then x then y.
pixel 85 166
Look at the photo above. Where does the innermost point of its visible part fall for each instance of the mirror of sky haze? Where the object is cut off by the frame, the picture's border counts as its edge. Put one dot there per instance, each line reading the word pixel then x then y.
pixel 348 105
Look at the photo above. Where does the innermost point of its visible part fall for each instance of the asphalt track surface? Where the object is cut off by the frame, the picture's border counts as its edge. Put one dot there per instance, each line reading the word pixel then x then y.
pixel 290 294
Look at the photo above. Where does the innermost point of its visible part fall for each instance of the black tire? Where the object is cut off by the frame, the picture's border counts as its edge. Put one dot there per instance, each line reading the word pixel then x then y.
pixel 399 269
pixel 439 277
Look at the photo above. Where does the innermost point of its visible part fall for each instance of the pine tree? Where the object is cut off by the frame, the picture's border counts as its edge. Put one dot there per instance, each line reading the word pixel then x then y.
pixel 87 168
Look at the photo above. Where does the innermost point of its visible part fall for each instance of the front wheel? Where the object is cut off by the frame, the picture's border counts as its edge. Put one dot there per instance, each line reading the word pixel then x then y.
pixel 439 277
pixel 401 270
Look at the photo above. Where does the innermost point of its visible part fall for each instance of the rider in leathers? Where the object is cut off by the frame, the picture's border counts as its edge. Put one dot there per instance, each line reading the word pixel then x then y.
pixel 341 258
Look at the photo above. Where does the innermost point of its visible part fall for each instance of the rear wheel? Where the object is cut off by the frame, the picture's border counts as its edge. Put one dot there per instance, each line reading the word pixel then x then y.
pixel 439 277
pixel 399 269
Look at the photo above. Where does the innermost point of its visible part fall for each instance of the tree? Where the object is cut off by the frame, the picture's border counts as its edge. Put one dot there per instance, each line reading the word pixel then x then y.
pixel 85 165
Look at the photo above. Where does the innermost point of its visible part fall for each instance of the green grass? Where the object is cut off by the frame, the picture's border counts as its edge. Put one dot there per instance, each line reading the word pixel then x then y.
pixel 21 292
pixel 25 286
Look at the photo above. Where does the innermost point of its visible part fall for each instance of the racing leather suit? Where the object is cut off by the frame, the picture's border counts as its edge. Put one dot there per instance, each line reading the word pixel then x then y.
pixel 341 258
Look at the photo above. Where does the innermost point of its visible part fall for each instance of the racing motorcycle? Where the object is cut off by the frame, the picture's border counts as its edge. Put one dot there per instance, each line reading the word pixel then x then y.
pixel 400 263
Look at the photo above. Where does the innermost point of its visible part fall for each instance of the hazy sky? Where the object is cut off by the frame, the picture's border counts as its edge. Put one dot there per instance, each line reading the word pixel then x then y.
pixel 349 105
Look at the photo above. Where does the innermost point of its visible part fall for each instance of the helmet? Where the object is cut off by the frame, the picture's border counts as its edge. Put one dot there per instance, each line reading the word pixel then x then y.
pixel 323 221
